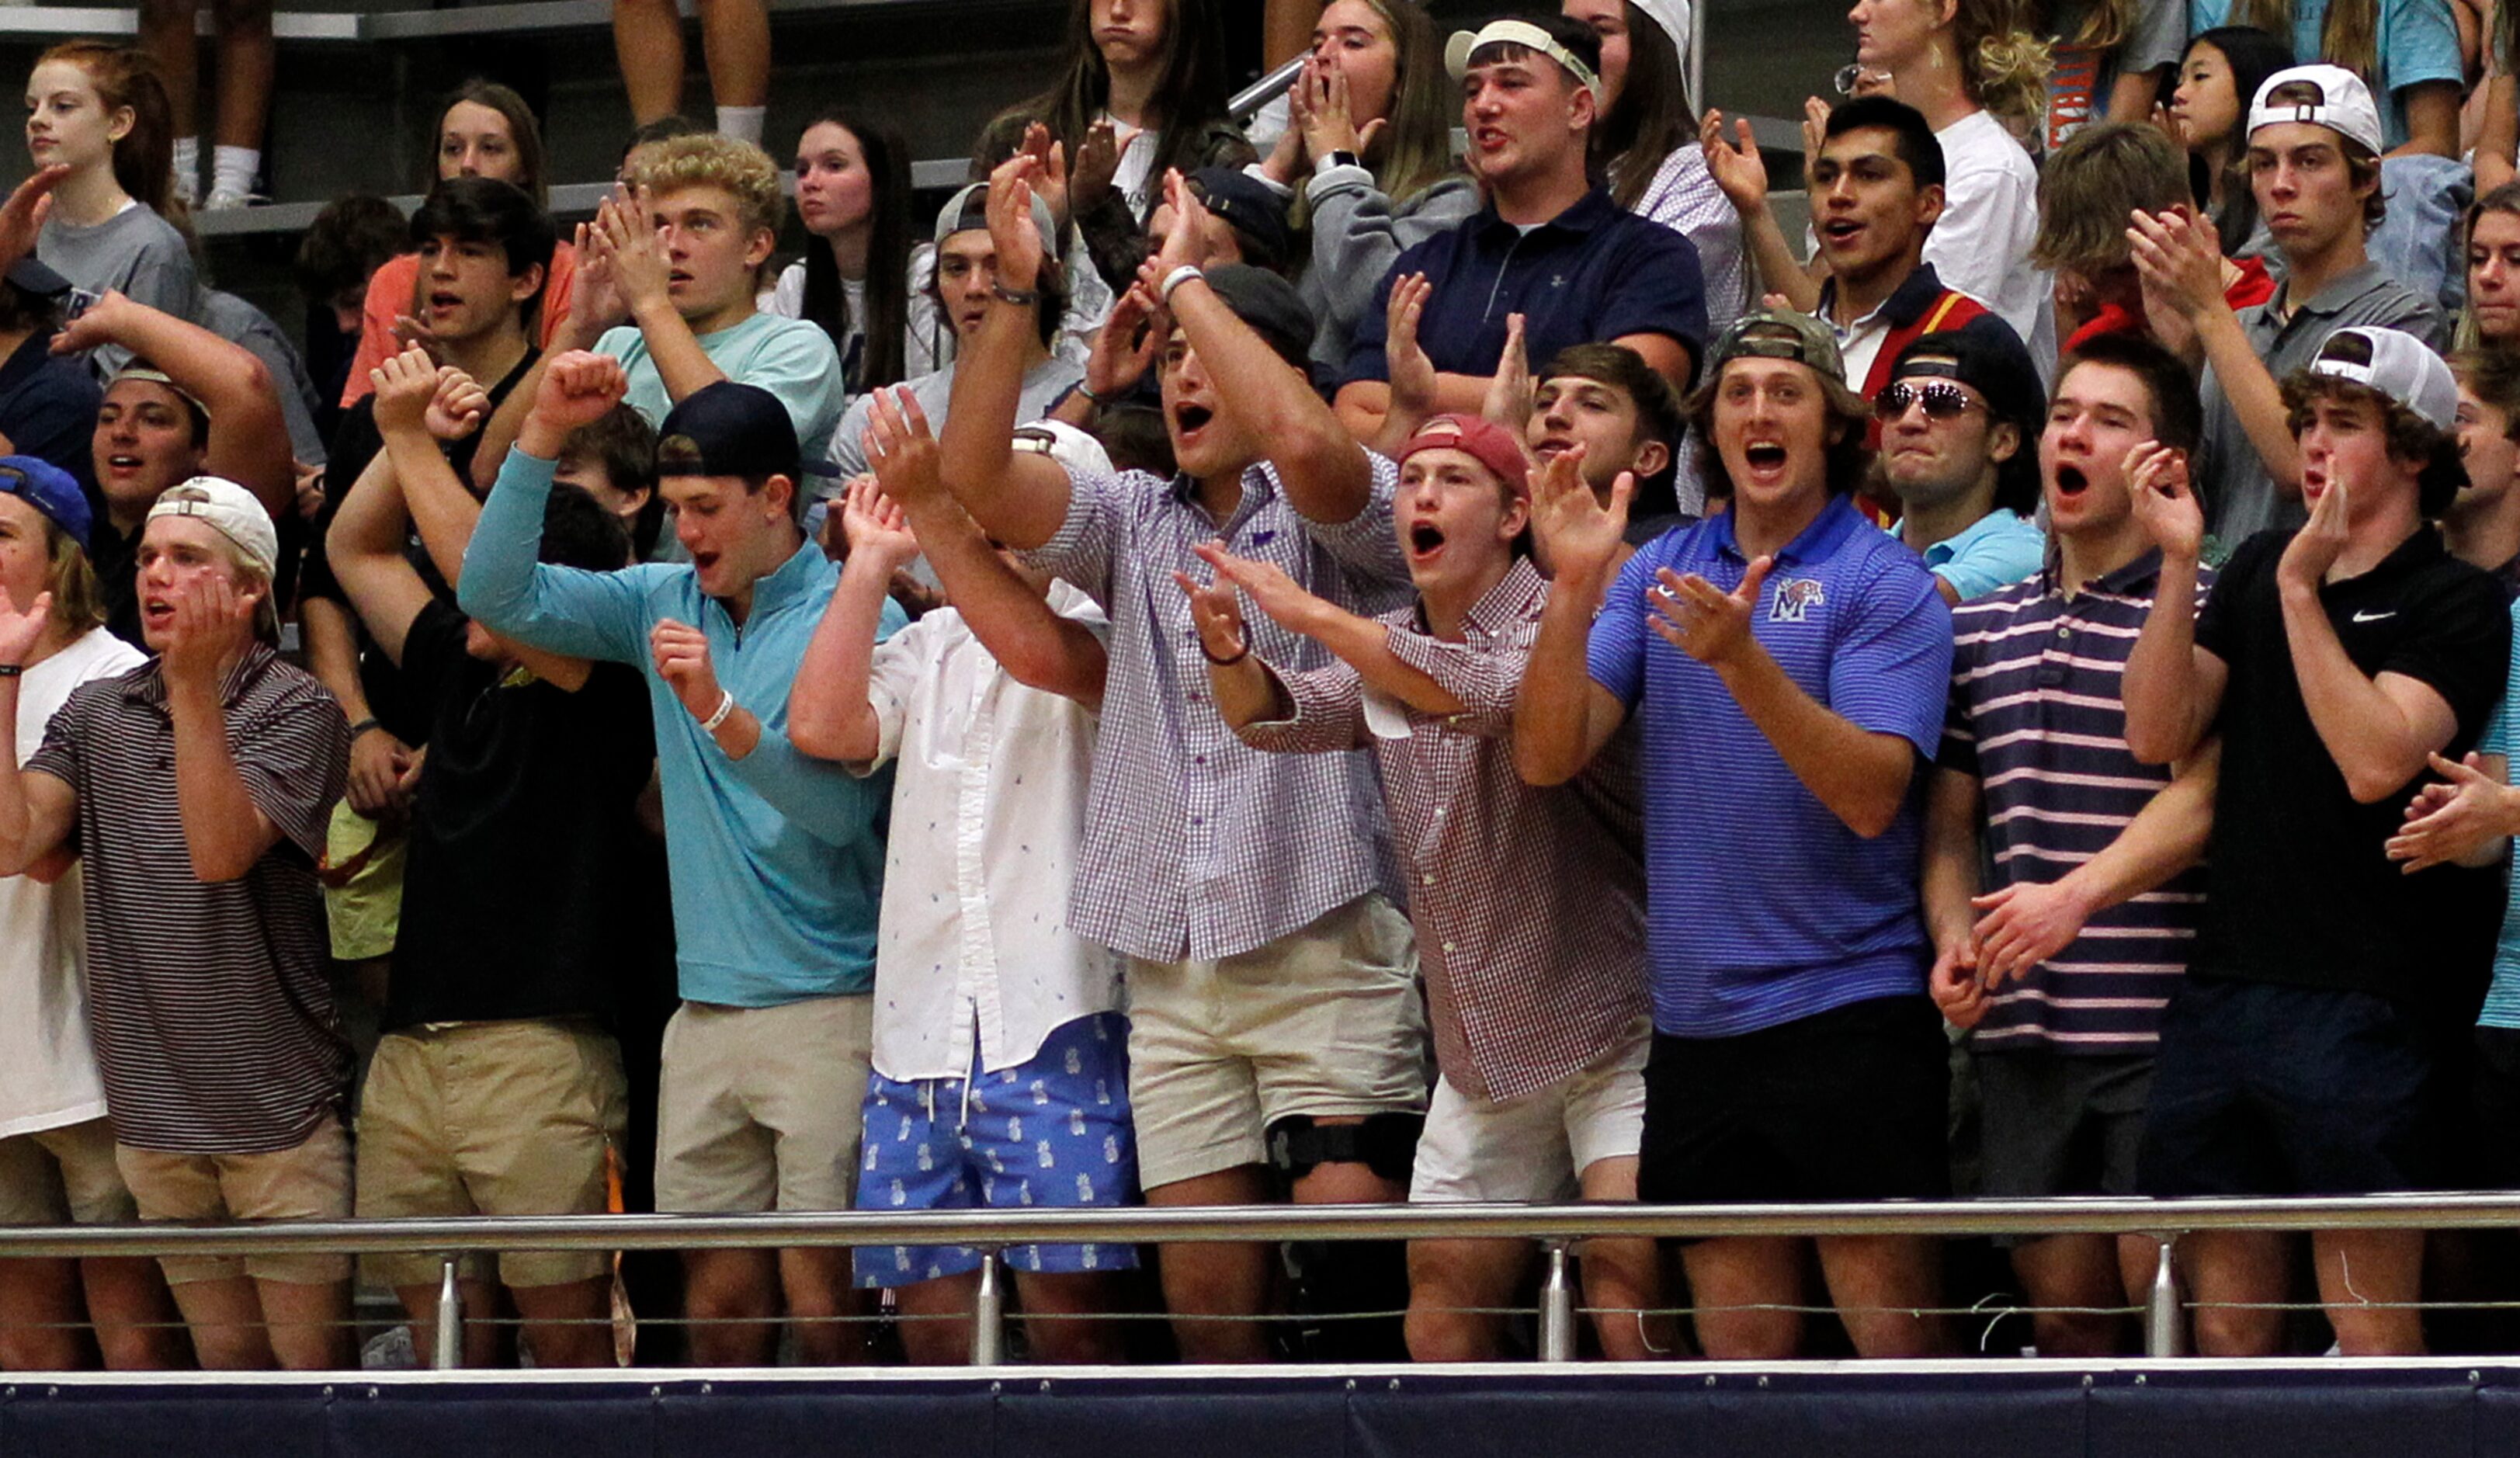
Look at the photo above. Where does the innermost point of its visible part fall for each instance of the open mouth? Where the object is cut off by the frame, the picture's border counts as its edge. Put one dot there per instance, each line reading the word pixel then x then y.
pixel 1551 445
pixel 1841 229
pixel 677 276
pixel 1764 456
pixel 1189 419
pixel 2070 480
pixel 445 299
pixel 1425 539
pixel 1488 138
pixel 122 464
pixel 156 611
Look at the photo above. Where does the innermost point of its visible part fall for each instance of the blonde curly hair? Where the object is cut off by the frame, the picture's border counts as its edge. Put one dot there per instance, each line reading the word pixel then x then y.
pixel 740 170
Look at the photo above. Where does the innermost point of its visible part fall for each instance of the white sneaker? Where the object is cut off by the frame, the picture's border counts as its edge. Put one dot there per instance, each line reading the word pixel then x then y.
pixel 223 199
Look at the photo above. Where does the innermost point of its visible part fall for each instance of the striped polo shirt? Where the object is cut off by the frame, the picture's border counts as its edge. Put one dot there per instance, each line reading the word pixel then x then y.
pixel 214 1022
pixel 1762 906
pixel 2037 714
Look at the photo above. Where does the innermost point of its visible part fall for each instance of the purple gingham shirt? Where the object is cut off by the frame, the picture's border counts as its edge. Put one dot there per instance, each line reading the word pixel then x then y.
pixel 1529 905
pixel 1197 846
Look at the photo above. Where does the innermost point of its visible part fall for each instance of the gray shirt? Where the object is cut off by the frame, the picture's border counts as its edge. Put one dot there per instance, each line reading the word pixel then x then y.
pixel 1358 233
pixel 1043 384
pixel 135 252
pixel 241 324
pixel 2240 498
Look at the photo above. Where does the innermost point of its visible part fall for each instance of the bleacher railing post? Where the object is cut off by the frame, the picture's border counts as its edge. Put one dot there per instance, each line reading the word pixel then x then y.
pixel 2161 1309
pixel 449 1353
pixel 1557 1307
pixel 989 1313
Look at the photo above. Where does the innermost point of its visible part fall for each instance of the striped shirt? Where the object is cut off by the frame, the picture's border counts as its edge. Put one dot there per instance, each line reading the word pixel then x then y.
pixel 1197 846
pixel 1764 906
pixel 213 1018
pixel 1529 905
pixel 2037 714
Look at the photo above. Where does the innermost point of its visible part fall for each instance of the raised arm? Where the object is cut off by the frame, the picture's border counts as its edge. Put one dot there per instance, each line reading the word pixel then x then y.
pixel 38 811
pixel 1245 689
pixel 248 436
pixel 1742 176
pixel 1018 499
pixel 829 715
pixel 641 274
pixel 2180 264
pixel 1327 476
pixel 2172 688
pixel 1039 646
pixel 2380 731
pixel 1563 716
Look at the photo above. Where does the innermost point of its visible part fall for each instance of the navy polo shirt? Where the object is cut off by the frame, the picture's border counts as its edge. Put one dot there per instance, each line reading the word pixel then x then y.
pixel 1762 906
pixel 1590 275
pixel 48 411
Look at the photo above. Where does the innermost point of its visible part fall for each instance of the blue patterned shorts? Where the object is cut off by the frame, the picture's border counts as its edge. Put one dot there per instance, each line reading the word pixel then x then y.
pixel 1054 1131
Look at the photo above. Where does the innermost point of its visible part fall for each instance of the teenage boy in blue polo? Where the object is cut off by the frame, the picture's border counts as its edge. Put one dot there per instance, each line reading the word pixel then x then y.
pixel 1799 676
pixel 776 858
pixel 1550 244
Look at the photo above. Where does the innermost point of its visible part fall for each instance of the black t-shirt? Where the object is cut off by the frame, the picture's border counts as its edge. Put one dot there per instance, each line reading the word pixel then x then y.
pixel 531 889
pixel 354 445
pixel 2299 890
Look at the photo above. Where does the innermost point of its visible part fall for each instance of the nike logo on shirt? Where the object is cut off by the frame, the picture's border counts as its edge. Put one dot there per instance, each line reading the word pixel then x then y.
pixel 2374 616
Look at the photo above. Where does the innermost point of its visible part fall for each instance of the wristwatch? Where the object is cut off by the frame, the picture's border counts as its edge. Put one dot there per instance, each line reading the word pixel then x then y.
pixel 1343 158
pixel 1020 297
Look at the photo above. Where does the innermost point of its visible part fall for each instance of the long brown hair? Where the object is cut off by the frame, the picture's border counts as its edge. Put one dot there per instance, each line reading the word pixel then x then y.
pixel 1189 94
pixel 124 78
pixel 1651 118
pixel 889 240
pixel 2349 36
pixel 1415 149
pixel 522 131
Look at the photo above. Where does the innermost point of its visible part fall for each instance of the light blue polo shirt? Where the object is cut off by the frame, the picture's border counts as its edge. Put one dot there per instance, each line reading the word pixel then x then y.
pixel 1762 906
pixel 2502 737
pixel 775 859
pixel 1995 550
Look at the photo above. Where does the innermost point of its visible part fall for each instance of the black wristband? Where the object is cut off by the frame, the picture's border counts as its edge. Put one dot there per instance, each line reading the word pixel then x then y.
pixel 1241 653
pixel 362 727
pixel 12 671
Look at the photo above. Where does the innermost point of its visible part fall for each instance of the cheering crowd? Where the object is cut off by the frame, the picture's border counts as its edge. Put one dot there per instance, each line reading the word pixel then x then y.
pixel 1234 665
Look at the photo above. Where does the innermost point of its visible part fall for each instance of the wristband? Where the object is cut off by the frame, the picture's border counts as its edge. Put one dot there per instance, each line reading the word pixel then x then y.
pixel 1343 158
pixel 1177 278
pixel 12 671
pixel 1020 297
pixel 725 710
pixel 1240 653
pixel 1087 390
pixel 362 727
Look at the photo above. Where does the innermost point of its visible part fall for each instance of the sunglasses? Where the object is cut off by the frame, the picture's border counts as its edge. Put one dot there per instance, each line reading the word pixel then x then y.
pixel 1943 400
pixel 1854 74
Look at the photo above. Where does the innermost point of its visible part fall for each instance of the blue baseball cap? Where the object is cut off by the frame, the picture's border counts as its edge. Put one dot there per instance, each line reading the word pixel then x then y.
pixel 51 490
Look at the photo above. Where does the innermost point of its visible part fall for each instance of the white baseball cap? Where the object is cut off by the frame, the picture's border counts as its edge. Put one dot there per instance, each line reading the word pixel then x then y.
pixel 2344 105
pixel 1076 451
pixel 1464 44
pixel 229 508
pixel 1672 17
pixel 2398 365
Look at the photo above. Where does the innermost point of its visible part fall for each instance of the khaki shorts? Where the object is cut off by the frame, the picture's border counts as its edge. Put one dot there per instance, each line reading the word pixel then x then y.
pixel 759 1107
pixel 311 1182
pixel 1326 1021
pixel 362 875
pixel 56 1176
pixel 1537 1147
pixel 491 1118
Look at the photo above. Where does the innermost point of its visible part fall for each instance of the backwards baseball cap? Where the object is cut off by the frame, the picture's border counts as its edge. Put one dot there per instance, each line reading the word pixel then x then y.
pixel 49 489
pixel 1781 333
pixel 155 376
pixel 1482 440
pixel 2335 98
pixel 968 212
pixel 2398 365
pixel 1257 215
pixel 229 507
pixel 1672 16
pixel 1995 365
pixel 1464 44
pixel 728 428
pixel 1269 305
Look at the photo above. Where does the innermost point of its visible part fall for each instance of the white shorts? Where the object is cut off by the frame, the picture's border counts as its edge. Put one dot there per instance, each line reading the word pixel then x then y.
pixel 1535 1146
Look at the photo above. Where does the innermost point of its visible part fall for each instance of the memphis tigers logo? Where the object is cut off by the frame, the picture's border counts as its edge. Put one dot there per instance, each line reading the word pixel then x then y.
pixel 1795 597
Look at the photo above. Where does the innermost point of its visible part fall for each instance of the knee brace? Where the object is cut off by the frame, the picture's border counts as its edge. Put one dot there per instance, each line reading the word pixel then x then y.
pixel 1385 1143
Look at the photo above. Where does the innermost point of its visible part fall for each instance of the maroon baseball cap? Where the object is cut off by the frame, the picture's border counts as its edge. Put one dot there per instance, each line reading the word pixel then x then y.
pixel 1484 440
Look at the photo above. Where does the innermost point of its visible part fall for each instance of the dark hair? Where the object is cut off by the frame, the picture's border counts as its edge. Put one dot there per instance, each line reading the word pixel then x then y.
pixel 1849 457
pixel 1651 118
pixel 2362 164
pixel 2178 415
pixel 1577 37
pixel 1051 283
pixel 621 444
pixel 347 243
pixel 663 129
pixel 1189 94
pixel 1913 141
pixel 2493 376
pixel 522 129
pixel 144 160
pixel 2252 55
pixel 2412 437
pixel 578 533
pixel 1658 413
pixel 21 312
pixel 484 209
pixel 891 234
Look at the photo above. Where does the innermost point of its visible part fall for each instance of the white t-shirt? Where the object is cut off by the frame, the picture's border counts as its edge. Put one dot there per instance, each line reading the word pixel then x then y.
pixel 48 1078
pixel 1981 245
pixel 1135 176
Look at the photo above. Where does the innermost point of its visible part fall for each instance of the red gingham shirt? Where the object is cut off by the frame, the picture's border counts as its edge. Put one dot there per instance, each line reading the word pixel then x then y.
pixel 1529 903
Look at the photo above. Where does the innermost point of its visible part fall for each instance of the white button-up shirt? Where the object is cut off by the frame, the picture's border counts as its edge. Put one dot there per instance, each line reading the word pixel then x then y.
pixel 988 808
